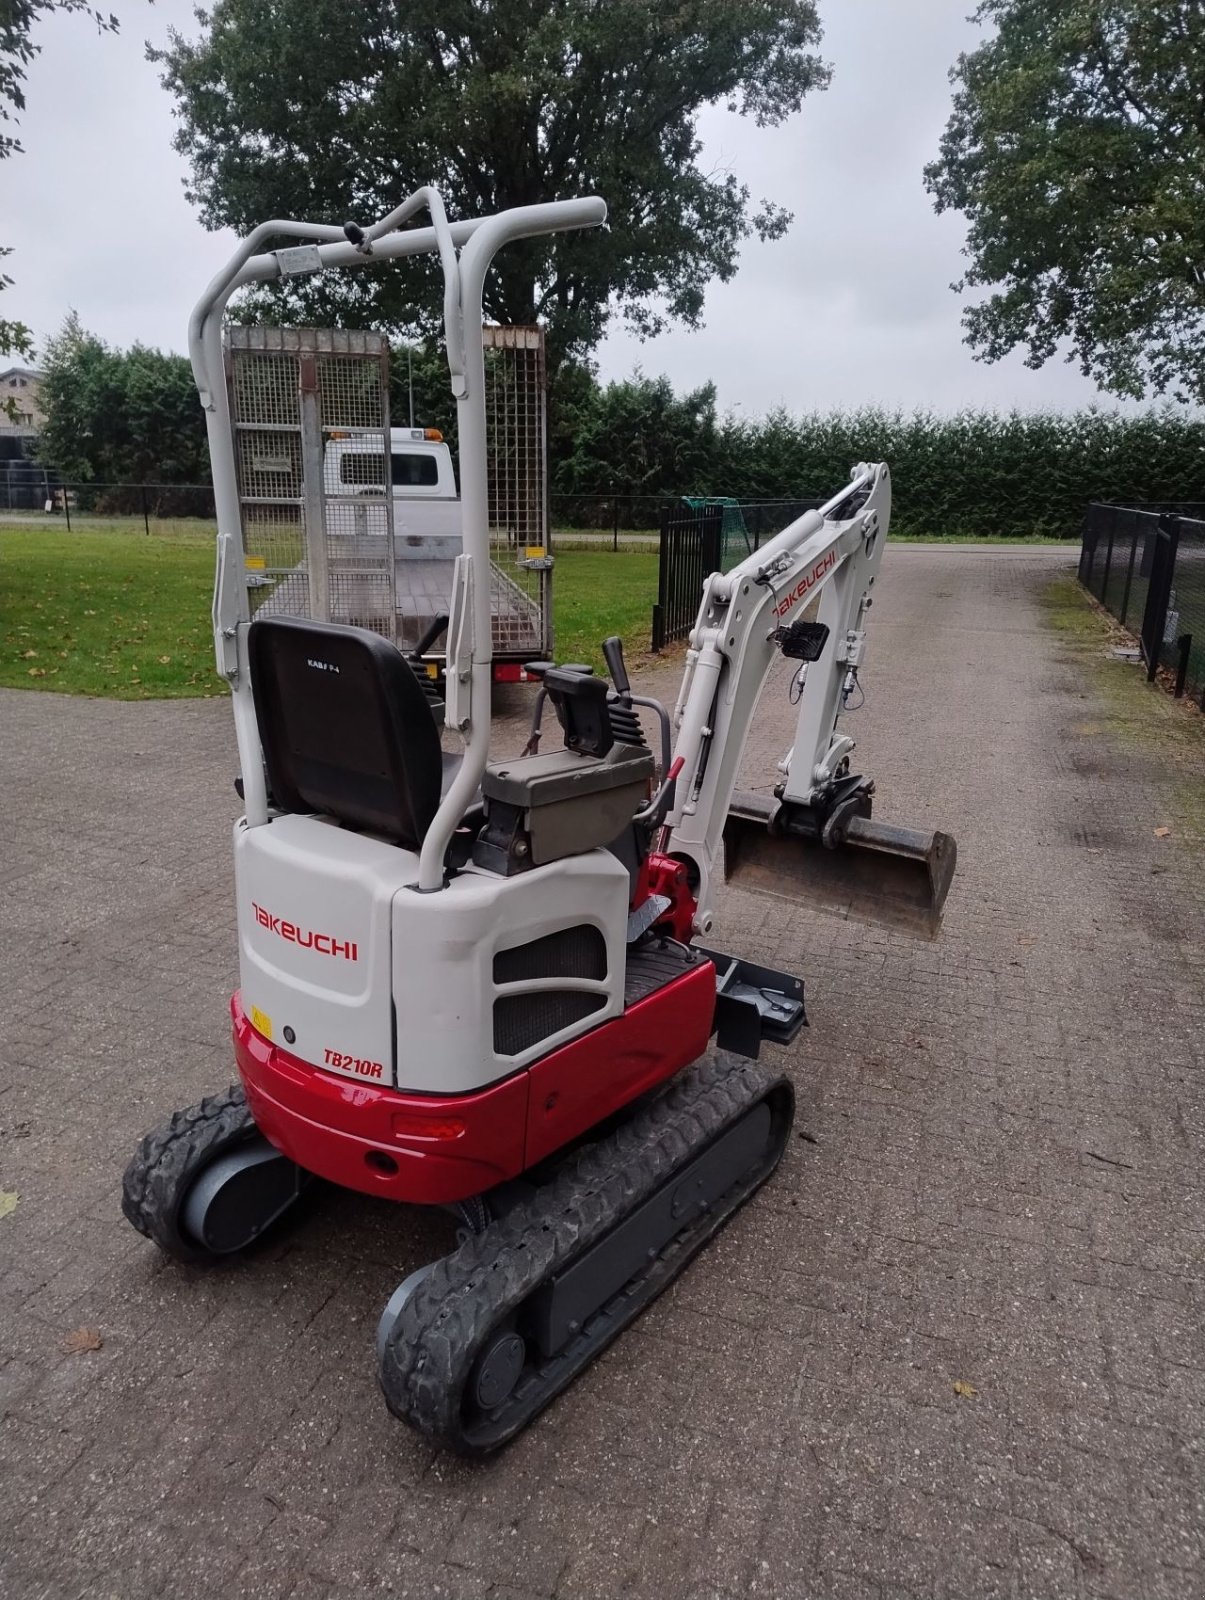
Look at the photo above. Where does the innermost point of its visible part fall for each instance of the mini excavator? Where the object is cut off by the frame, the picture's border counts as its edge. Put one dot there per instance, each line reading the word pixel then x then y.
pixel 479 984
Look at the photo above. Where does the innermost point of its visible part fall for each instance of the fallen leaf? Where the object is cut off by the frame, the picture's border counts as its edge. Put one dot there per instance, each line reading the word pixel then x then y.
pixel 82 1339
pixel 968 1391
pixel 1163 833
pixel 165 661
pixel 9 1200
pixel 37 672
pixel 29 655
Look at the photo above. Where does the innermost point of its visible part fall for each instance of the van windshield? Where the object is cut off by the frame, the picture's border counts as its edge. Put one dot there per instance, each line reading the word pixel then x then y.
pixel 366 468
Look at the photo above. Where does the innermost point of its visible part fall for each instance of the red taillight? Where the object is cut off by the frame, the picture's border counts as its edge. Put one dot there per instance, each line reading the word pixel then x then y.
pixel 413 1125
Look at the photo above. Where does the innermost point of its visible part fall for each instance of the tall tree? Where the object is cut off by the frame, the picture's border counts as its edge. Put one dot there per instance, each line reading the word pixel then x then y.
pixel 320 109
pixel 119 416
pixel 18 47
pixel 1076 149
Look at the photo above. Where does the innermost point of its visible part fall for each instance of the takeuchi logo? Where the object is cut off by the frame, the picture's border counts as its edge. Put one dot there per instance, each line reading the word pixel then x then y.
pixel 804 584
pixel 324 943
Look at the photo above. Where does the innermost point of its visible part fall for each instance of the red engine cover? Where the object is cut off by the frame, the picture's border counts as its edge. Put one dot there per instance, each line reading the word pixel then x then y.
pixel 430 1149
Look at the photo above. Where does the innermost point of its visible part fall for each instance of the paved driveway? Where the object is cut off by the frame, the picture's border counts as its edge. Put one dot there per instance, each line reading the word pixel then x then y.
pixel 996 1183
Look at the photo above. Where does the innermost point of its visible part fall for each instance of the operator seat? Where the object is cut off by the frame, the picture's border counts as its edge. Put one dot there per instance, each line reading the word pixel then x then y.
pixel 345 728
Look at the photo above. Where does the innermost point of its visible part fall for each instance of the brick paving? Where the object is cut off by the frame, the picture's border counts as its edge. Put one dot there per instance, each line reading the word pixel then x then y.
pixel 996 1183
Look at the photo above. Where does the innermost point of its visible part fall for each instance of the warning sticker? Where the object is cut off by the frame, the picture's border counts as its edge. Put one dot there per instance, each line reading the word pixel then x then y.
pixel 261 1022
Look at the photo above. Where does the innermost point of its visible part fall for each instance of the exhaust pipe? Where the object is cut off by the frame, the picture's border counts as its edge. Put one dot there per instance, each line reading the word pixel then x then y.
pixel 865 870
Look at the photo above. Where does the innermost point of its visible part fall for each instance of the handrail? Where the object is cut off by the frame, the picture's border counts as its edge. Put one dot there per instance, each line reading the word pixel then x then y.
pixel 464 277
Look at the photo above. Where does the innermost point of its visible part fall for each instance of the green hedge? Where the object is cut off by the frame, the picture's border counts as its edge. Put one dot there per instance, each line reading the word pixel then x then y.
pixel 976 474
pixel 979 474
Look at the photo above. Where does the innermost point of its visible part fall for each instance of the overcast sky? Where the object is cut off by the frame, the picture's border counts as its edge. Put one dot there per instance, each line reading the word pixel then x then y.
pixel 853 306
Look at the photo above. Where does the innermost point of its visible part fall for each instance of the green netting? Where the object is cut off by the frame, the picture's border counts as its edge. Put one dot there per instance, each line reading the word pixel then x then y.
pixel 736 540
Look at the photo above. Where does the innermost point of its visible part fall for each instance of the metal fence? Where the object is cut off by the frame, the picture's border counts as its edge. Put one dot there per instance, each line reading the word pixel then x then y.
pixel 1146 566
pixel 699 536
pixel 40 495
pixel 691 546
pixel 634 520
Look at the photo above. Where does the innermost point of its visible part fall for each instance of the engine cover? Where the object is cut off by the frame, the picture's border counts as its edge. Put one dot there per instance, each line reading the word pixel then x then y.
pixel 314 916
pixel 348 967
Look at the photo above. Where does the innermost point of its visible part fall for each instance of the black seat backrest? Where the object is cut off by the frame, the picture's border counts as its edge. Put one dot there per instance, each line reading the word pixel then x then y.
pixel 345 727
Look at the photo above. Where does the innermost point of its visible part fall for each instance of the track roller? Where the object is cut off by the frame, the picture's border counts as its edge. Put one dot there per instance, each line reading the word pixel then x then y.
pixel 207 1183
pixel 489 1335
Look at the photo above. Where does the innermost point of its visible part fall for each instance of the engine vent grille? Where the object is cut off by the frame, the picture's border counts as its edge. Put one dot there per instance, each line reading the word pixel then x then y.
pixel 522 1020
pixel 579 952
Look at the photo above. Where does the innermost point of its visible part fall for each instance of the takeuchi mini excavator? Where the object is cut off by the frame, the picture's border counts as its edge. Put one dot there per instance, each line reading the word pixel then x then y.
pixel 478 983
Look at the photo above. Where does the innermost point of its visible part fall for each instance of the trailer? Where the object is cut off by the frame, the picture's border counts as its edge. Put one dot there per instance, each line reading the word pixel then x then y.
pixel 348 519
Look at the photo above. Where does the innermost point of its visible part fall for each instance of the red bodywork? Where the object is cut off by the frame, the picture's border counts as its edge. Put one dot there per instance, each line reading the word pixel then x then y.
pixel 430 1149
pixel 662 874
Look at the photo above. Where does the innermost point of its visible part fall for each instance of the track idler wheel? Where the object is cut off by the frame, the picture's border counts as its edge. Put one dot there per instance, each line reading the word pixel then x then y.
pixel 207 1183
pixel 479 1343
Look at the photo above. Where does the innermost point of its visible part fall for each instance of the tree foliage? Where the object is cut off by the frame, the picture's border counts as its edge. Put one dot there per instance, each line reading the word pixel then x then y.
pixel 637 437
pixel 132 417
pixel 115 416
pixel 322 110
pixel 1076 149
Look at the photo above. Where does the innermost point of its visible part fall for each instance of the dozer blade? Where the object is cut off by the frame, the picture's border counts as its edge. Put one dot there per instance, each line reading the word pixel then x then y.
pixel 882 874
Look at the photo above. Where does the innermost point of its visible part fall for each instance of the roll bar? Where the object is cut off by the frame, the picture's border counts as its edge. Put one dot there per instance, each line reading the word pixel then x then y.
pixel 466 250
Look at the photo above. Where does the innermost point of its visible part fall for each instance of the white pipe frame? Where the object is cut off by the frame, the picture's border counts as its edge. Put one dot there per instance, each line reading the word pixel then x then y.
pixel 731 650
pixel 478 241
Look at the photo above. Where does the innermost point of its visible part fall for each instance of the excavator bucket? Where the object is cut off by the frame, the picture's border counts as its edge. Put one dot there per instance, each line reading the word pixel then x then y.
pixel 878 873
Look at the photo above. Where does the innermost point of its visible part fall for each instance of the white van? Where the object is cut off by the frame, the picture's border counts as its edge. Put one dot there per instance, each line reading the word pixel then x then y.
pixel 426 541
pixel 425 502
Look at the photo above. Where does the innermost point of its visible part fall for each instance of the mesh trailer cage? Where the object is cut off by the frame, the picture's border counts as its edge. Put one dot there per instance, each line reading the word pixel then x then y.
pixel 322 547
pixel 516 401
pixel 315 547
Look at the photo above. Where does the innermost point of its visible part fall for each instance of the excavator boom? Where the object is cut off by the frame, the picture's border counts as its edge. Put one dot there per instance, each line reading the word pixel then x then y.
pixel 804 595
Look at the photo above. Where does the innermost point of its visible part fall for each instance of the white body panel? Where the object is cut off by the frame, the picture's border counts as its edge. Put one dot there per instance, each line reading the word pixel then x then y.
pixel 335 940
pixel 324 883
pixel 443 964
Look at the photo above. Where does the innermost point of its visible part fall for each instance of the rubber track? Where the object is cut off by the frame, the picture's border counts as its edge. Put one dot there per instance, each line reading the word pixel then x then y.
pixel 169 1159
pixel 431 1350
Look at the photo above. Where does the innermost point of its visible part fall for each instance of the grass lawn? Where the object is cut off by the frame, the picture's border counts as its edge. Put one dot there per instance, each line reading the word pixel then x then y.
pixel 109 611
pixel 118 614
pixel 114 614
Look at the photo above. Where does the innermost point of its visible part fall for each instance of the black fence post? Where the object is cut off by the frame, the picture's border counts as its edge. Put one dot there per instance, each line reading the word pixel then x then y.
pixel 1184 645
pixel 146 520
pixel 662 582
pixel 1163 567
pixel 67 504
pixel 1086 548
pixel 1104 582
pixel 1125 593
pixel 615 514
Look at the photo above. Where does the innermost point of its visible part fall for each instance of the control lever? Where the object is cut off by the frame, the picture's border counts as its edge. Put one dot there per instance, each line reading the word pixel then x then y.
pixel 438 624
pixel 613 655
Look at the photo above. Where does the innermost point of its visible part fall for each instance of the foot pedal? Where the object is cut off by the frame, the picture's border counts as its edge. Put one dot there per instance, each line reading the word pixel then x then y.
pixel 645 914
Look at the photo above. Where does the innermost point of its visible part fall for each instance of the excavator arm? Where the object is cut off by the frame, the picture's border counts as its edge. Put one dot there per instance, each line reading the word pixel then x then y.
pixel 804 595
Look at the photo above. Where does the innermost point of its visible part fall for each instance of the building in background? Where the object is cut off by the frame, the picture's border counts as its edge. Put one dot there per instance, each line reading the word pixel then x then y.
pixel 20 413
pixel 23 484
